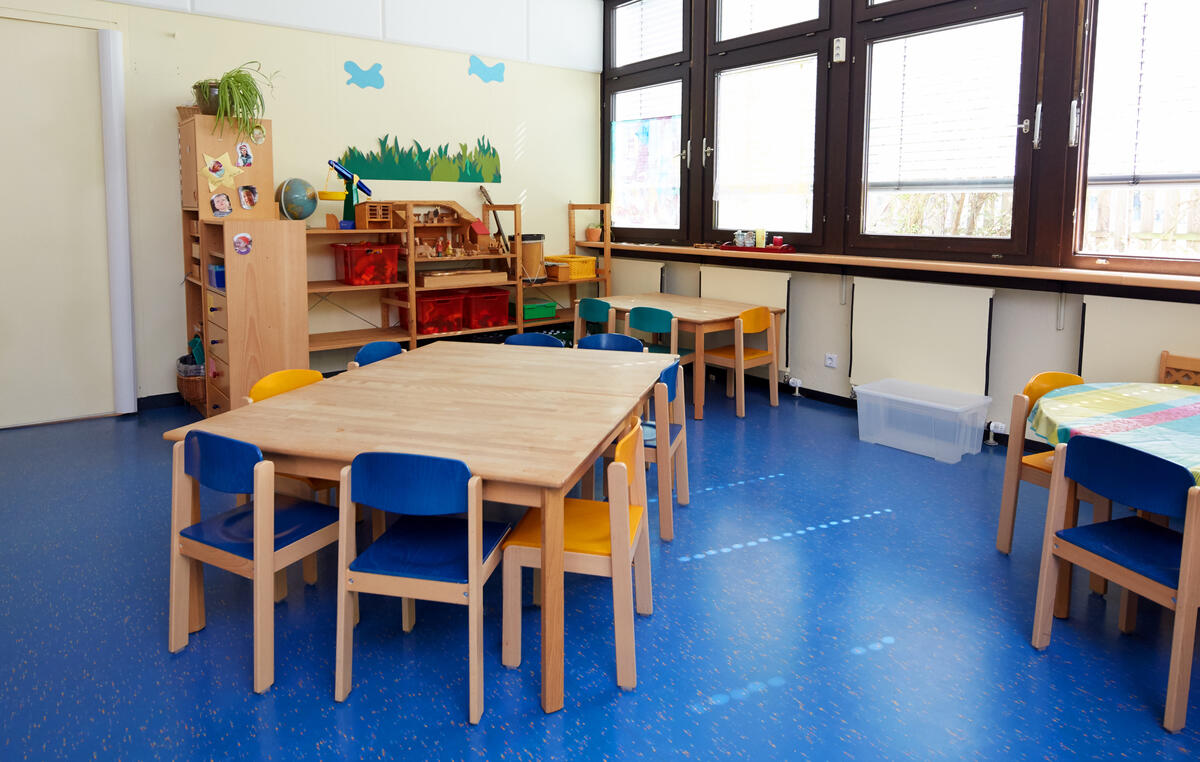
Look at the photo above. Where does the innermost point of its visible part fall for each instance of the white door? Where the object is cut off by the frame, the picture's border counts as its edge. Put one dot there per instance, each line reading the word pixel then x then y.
pixel 55 340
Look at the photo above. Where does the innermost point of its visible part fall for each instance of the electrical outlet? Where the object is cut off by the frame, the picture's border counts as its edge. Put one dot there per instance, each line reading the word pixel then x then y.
pixel 830 360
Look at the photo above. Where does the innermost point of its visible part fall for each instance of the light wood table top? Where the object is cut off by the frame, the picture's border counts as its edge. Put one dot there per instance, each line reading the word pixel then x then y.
pixel 527 415
pixel 689 309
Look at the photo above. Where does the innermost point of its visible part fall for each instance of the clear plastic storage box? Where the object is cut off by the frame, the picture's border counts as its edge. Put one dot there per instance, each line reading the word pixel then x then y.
pixel 941 423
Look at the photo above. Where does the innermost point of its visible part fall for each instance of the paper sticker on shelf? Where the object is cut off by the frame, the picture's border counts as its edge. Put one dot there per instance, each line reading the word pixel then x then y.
pixel 242 243
pixel 220 171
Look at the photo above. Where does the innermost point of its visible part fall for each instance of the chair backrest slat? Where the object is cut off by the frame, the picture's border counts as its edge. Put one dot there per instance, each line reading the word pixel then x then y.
pixel 1048 382
pixel 626 451
pixel 594 310
pixel 376 351
pixel 220 463
pixel 668 378
pixel 1178 369
pixel 755 320
pixel 612 341
pixel 650 320
pixel 421 485
pixel 1129 476
pixel 535 340
pixel 283 381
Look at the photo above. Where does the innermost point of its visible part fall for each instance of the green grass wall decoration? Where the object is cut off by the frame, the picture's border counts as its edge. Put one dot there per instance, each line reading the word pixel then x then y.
pixel 480 164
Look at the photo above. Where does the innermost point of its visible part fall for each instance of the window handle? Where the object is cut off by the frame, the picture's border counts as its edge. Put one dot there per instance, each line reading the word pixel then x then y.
pixel 1073 128
pixel 1024 126
pixel 686 154
pixel 705 152
pixel 1037 127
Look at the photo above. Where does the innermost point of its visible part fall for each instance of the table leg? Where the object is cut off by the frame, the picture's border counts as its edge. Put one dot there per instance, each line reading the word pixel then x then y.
pixel 552 600
pixel 698 376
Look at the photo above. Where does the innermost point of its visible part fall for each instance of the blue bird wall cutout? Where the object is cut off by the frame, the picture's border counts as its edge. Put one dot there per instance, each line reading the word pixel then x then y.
pixel 364 77
pixel 487 73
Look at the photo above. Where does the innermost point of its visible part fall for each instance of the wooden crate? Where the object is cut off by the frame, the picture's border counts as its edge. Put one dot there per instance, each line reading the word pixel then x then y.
pixel 440 278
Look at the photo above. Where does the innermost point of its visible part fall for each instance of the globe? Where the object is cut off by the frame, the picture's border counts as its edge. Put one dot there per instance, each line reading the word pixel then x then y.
pixel 297 198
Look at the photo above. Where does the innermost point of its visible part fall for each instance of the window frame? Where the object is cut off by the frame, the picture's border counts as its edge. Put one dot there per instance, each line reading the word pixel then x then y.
pixel 715 47
pixel 670 59
pixel 864 11
pixel 781 50
pixel 1015 248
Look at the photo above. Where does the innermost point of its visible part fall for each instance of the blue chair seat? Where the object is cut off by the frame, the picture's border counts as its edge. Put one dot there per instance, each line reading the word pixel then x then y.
pixel 1135 543
pixel 426 547
pixel 650 433
pixel 233 530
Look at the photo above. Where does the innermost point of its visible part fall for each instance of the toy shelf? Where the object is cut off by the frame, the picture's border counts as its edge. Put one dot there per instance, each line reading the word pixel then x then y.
pixel 330 286
pixel 340 339
pixel 465 331
pixel 192 279
pixel 453 287
pixel 353 232
pixel 468 256
pixel 561 315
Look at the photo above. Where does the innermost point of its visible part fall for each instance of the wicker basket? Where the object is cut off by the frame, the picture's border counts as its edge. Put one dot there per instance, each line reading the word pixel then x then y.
pixel 191 388
pixel 581 267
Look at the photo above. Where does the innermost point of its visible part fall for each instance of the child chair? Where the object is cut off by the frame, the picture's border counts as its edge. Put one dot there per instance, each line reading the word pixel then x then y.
pixel 256 540
pixel 601 539
pixel 654 321
pixel 1036 469
pixel 534 340
pixel 666 444
pixel 737 357
pixel 374 352
pixel 618 342
pixel 1177 369
pixel 1142 556
pixel 593 311
pixel 425 554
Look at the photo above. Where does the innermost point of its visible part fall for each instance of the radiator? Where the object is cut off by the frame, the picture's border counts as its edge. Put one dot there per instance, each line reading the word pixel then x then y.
pixel 1122 338
pixel 764 287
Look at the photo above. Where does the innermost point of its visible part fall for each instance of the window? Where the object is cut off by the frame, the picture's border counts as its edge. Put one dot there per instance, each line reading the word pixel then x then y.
pixel 941 140
pixel 765 142
pixel 646 133
pixel 646 29
pixel 738 18
pixel 1142 195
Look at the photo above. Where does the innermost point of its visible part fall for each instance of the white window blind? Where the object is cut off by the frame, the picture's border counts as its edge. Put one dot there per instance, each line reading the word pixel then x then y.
pixel 942 126
pixel 741 17
pixel 647 132
pixel 646 29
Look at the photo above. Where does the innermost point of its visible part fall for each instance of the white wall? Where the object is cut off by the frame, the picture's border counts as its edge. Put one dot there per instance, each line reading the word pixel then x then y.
pixel 565 33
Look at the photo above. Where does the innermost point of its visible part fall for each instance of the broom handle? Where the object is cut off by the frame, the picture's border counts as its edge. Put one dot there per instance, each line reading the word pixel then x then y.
pixel 496 216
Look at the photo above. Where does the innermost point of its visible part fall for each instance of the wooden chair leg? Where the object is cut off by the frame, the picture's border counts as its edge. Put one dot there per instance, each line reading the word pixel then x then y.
pixel 622 587
pixel 347 616
pixel 643 591
pixel 1008 508
pixel 408 614
pixel 196 614
pixel 280 585
pixel 773 380
pixel 739 383
pixel 510 651
pixel 587 484
pixel 475 655
pixel 1062 597
pixel 535 592
pixel 1179 676
pixel 729 383
pixel 378 523
pixel 1044 606
pixel 310 569
pixel 666 520
pixel 1101 511
pixel 1127 618
pixel 682 493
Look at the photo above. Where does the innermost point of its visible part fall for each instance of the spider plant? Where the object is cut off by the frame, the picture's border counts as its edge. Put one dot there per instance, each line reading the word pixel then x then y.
pixel 235 98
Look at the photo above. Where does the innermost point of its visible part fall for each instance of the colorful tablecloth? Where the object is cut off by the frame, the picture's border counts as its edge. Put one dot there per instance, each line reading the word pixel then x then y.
pixel 1161 419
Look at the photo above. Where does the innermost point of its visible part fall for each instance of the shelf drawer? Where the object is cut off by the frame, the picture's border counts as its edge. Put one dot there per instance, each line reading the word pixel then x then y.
pixel 218 375
pixel 218 311
pixel 217 402
pixel 218 342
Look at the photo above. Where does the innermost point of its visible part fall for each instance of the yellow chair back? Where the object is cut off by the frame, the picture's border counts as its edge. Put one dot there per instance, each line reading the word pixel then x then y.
pixel 755 320
pixel 283 381
pixel 1048 382
pixel 625 452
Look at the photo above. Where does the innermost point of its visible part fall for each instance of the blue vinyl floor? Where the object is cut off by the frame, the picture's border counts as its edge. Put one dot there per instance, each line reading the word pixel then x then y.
pixel 823 599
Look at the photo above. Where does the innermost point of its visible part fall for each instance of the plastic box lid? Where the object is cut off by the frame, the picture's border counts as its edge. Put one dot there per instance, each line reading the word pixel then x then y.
pixel 931 396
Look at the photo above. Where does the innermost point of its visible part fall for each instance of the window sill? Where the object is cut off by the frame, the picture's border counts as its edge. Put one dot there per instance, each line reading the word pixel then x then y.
pixel 1030 272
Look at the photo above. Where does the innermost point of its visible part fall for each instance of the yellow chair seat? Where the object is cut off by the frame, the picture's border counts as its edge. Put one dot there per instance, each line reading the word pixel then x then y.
pixel 728 352
pixel 585 527
pixel 1042 461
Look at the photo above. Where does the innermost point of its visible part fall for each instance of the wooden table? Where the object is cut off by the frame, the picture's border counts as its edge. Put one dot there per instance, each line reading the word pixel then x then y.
pixel 696 315
pixel 528 420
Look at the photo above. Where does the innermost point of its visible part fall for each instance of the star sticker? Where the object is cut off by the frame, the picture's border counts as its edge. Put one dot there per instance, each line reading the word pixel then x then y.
pixel 220 171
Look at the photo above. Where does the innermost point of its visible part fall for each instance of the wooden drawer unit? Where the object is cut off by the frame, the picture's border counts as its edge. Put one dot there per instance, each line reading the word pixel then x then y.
pixel 218 375
pixel 218 342
pixel 218 309
pixel 217 402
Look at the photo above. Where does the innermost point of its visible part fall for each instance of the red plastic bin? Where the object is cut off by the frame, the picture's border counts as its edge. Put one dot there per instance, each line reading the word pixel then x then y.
pixel 367 264
pixel 485 307
pixel 437 313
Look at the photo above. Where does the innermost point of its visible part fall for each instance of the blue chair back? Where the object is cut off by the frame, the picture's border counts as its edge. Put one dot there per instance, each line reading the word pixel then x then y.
pixel 669 378
pixel 594 310
pixel 421 485
pixel 614 341
pixel 535 340
pixel 220 463
pixel 376 351
pixel 650 320
pixel 1129 476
